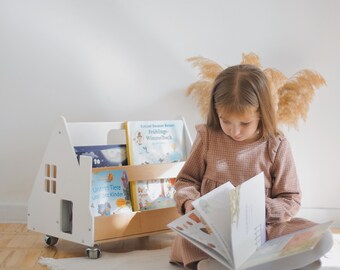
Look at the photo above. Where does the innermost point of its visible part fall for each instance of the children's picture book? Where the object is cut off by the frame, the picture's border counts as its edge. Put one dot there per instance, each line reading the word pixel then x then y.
pixel 154 142
pixel 228 224
pixel 104 155
pixel 155 194
pixel 110 192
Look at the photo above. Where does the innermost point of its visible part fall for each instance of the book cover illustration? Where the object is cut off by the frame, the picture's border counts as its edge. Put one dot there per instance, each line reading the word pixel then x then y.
pixel 104 155
pixel 110 192
pixel 156 193
pixel 154 142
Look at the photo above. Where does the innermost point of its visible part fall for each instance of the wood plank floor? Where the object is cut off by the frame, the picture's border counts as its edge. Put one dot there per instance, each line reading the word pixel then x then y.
pixel 21 249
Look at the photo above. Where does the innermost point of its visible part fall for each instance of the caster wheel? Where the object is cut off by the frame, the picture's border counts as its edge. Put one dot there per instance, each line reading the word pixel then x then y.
pixel 93 252
pixel 51 240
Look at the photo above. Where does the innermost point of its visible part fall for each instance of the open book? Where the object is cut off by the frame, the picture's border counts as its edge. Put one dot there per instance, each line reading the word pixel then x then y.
pixel 228 224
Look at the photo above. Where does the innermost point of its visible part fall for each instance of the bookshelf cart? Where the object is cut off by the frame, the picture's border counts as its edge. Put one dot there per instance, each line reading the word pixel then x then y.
pixel 59 204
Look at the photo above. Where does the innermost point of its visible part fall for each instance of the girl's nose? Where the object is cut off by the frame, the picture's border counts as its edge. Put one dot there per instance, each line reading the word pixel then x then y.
pixel 235 130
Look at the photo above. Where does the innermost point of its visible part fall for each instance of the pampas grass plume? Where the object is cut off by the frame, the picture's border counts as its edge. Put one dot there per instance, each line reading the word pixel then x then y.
pixel 291 97
pixel 296 95
pixel 201 89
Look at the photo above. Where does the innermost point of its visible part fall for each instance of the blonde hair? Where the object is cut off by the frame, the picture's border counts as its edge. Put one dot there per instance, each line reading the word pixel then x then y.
pixel 238 89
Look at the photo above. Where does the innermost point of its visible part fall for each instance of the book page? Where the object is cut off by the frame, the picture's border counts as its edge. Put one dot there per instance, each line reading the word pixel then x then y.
pixel 210 251
pixel 287 245
pixel 248 221
pixel 236 219
pixel 213 208
pixel 192 226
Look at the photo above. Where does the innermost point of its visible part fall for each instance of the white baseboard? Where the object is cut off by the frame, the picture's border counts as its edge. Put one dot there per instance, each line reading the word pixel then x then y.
pixel 13 213
pixel 320 215
pixel 17 213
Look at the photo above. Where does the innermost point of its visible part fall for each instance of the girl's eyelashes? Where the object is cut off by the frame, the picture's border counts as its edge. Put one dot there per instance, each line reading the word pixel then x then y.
pixel 224 121
pixel 241 123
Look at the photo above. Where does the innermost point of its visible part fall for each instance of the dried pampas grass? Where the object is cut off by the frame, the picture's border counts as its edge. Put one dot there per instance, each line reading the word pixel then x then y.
pixel 250 59
pixel 296 95
pixel 201 89
pixel 291 96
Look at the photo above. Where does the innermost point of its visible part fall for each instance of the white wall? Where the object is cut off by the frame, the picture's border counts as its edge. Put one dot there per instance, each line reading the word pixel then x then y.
pixel 118 60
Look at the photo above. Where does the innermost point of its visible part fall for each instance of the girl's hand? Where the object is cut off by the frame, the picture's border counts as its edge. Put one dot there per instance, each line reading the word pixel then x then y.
pixel 188 206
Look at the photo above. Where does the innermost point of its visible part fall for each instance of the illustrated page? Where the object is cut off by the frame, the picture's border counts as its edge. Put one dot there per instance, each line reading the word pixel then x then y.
pixel 213 207
pixel 193 226
pixel 248 218
pixel 288 245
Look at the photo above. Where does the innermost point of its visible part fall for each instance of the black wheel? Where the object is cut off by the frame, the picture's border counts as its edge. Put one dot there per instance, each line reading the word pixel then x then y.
pixel 51 240
pixel 93 252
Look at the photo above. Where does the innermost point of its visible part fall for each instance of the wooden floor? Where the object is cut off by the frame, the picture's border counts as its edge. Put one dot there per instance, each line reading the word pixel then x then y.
pixel 21 248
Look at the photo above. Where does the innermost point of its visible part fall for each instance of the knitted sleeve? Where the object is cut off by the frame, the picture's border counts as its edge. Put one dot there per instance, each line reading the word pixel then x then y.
pixel 284 199
pixel 189 179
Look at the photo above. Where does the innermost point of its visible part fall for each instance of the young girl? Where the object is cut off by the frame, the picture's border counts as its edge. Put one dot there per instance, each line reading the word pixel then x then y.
pixel 240 140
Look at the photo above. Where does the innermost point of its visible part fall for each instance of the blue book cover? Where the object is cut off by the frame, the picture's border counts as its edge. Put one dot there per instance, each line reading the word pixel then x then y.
pixel 104 155
pixel 110 192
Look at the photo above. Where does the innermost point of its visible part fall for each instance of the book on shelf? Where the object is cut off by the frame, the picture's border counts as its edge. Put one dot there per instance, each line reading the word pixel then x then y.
pixel 110 192
pixel 154 142
pixel 103 155
pixel 228 224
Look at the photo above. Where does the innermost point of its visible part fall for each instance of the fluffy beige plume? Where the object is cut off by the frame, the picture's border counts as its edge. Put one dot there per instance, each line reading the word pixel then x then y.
pixel 291 97
pixel 208 68
pixel 276 80
pixel 201 89
pixel 251 59
pixel 296 95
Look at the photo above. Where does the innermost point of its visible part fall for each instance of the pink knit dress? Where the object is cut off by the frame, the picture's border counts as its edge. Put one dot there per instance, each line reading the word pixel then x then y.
pixel 215 159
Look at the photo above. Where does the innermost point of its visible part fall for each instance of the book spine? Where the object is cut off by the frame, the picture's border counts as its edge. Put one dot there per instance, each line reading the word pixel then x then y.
pixel 133 184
